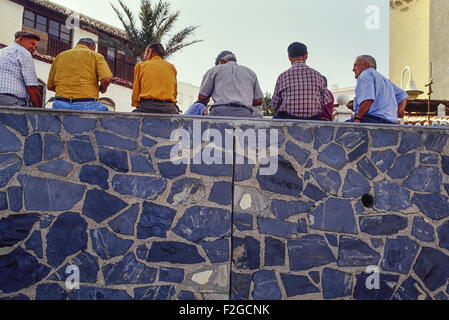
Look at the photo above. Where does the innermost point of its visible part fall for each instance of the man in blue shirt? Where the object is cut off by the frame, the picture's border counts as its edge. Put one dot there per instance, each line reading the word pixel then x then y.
pixel 377 99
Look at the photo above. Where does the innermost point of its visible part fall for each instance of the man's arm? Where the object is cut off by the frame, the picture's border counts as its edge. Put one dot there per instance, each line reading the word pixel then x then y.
pixel 104 84
pixel 257 102
pixel 363 109
pixel 104 73
pixel 277 99
pixel 51 76
pixel 401 108
pixel 136 87
pixel 35 96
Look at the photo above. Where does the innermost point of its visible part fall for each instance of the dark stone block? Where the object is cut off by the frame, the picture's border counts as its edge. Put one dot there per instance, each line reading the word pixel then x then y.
pixel 160 128
pixel 285 209
pixel 306 175
pixel 128 271
pixel 50 292
pixel 46 221
pixel 302 226
pixel 409 291
pixel 323 135
pixel 266 286
pixel 19 270
pixel 81 150
pixel 240 286
pixel 141 163
pixel 387 285
pixel 335 215
pixel 246 253
pixel 15 121
pixel 243 221
pixel 301 134
pixel 422 230
pixel 34 244
pixel 93 293
pixel 314 192
pixel 328 180
pixel 336 284
pixel 174 252
pixel 100 205
pixel 425 179
pixel 3 201
pixel 428 158
pixel 377 243
pixel 186 296
pixel 15 228
pixel 309 164
pixel 53 147
pixel 384 138
pixel 332 239
pixel 111 140
pixel 443 235
pixel 334 156
pixel 123 126
pixel 219 167
pixel 199 223
pixel 410 141
pixel 115 159
pixel 33 149
pixel 440 296
pixel 356 253
pixel 45 123
pixel 383 225
pixel 315 276
pixel 19 297
pixel 95 175
pixel 171 171
pixel 15 198
pixel 164 152
pixel 107 245
pixel 274 252
pixel 217 251
pixel 221 193
pixel 359 152
pixel 154 293
pixel 155 221
pixel 359 207
pixel 124 224
pixel 434 206
pixel 391 197
pixel 383 159
pixel 8 142
pixel 367 168
pixel 87 265
pixel 187 190
pixel 432 267
pixel 276 227
pixel 436 141
pixel 298 153
pixel 59 167
pixel 61 243
pixel 355 185
pixel 77 125
pixel 147 142
pixel 148 188
pixel 10 164
pixel 399 255
pixel 445 164
pixel 351 137
pixel 142 252
pixel 297 285
pixel 243 172
pixel 314 247
pixel 402 167
pixel 54 196
pixel 171 275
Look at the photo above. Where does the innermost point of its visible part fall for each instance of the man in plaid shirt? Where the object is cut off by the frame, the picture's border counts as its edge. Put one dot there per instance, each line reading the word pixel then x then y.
pixel 300 91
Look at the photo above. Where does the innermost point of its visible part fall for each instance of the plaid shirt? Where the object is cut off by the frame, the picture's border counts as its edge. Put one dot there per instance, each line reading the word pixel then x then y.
pixel 17 71
pixel 301 92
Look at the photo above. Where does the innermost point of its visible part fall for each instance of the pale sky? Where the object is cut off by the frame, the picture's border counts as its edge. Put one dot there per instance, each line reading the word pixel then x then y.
pixel 259 32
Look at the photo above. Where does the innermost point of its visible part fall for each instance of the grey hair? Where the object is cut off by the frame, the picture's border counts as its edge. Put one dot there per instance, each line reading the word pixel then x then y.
pixel 88 42
pixel 370 60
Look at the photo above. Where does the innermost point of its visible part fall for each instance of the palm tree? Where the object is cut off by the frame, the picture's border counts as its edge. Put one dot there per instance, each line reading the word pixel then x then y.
pixel 156 23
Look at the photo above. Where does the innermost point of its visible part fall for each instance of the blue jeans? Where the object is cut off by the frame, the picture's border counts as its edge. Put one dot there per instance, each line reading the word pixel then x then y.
pixel 373 119
pixel 90 106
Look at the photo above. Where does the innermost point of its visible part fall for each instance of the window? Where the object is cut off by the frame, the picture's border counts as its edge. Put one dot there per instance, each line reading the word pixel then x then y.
pixel 28 19
pixel 111 53
pixel 53 29
pixel 41 23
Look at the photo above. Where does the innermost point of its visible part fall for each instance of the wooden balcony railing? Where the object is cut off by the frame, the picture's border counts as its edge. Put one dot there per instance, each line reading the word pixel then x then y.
pixel 56 46
pixel 121 69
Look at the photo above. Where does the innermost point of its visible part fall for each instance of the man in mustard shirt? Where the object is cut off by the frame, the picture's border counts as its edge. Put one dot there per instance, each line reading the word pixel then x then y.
pixel 75 76
pixel 155 86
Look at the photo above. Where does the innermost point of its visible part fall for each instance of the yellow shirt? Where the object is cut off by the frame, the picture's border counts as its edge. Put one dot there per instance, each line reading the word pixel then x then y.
pixel 75 73
pixel 154 79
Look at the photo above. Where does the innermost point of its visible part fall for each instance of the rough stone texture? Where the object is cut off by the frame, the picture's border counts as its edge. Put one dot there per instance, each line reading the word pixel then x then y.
pixel 217 251
pixel 274 252
pixel 436 141
pixel 240 286
pixel 114 159
pixel 129 271
pixel 221 193
pixel 33 149
pixel 53 147
pixel 425 179
pixel 81 150
pixel 59 167
pixel 432 267
pixel 100 205
pixel 148 188
pixel 355 185
pixel 155 221
pixel 16 122
pixel 266 286
pixel 410 141
pixel 88 267
pixel 382 225
pixel 423 230
pixel 313 246
pixel 123 126
pixel 334 156
pixel 277 228
pixel 246 253
pixel 111 140
pixel 434 206
pixel 443 235
pixel 285 209
pixel 399 255
pixel 15 228
pixel 124 224
pixel 107 245
pixel 366 167
pixel 334 215
pixel 329 180
pixel 384 138
pixel 410 289
pixel 45 122
pixel 9 165
pixel 383 159
pixel 297 285
pixel 298 153
pixel 95 175
pixel 77 125
pixel 336 284
pixel 15 196
pixel 355 253
pixel 402 167
pixel 9 142
pixel 187 191
pixel 391 197
pixel 387 287
pixel 174 252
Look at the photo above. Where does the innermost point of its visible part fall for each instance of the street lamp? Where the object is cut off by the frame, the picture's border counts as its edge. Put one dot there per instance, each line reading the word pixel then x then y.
pixel 411 89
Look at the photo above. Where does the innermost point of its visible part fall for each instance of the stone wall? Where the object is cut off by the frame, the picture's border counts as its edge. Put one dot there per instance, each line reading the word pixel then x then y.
pixel 98 191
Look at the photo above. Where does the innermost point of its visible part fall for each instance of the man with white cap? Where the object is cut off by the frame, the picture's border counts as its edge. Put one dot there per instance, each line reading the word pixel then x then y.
pixel 234 88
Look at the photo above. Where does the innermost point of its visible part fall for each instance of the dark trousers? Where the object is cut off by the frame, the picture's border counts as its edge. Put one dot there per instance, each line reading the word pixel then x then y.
pixel 157 107
pixel 285 115
pixel 12 101
pixel 373 119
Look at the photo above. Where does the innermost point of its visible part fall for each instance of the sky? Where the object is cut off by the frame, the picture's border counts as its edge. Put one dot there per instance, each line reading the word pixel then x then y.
pixel 259 32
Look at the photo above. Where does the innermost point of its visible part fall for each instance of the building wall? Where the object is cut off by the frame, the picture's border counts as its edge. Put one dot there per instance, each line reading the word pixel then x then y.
pixel 80 33
pixel 187 95
pixel 410 42
pixel 11 21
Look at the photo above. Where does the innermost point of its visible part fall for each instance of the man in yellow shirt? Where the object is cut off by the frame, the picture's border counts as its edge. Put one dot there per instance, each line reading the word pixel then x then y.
pixel 155 86
pixel 75 76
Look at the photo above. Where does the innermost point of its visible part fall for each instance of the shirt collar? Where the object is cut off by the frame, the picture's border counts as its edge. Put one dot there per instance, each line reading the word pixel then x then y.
pixel 299 63
pixel 81 46
pixel 156 58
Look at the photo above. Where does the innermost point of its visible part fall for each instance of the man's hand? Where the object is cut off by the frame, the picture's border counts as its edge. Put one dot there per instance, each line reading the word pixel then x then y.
pixel 401 108
pixel 104 84
pixel 35 96
pixel 257 102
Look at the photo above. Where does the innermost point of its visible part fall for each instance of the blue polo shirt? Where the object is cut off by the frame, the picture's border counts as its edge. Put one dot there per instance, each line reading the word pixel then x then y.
pixel 371 85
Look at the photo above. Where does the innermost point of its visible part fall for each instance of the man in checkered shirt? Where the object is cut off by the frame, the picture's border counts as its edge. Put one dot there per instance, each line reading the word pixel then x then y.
pixel 300 92
pixel 18 79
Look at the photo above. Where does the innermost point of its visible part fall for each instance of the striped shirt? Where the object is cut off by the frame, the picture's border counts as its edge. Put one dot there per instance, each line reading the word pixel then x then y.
pixel 231 83
pixel 17 71
pixel 301 92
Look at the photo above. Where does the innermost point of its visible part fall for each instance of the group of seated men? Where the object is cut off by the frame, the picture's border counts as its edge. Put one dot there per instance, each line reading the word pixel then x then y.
pixel 77 76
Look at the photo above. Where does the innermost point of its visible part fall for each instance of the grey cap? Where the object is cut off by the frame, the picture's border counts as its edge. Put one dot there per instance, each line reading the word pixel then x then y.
pixel 27 34
pixel 227 55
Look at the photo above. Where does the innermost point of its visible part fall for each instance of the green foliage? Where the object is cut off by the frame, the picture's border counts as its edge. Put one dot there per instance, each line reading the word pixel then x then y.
pixel 268 110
